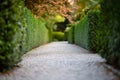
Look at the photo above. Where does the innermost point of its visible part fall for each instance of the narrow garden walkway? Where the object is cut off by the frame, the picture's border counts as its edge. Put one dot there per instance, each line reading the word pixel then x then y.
pixel 60 61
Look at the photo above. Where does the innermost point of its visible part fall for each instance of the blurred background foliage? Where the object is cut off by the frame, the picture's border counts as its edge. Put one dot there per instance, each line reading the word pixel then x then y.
pixel 83 6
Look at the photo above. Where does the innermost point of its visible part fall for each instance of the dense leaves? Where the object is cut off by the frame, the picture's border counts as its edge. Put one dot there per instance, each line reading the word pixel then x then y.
pixel 20 32
pixel 83 6
pixel 58 36
pixel 71 34
pixel 81 33
pixel 12 29
pixel 36 32
pixel 49 7
pixel 102 33
pixel 110 10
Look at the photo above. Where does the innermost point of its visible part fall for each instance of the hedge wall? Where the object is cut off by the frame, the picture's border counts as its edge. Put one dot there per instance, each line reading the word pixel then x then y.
pixel 100 32
pixel 20 32
pixel 111 13
pixel 84 31
pixel 81 33
pixel 58 36
pixel 12 29
pixel 97 32
pixel 71 34
pixel 36 31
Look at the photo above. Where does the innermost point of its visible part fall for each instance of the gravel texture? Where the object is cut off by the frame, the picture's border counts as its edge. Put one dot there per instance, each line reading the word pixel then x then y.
pixel 60 61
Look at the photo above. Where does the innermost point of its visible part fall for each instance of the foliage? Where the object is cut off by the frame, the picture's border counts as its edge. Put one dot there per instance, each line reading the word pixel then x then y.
pixel 12 37
pixel 20 32
pixel 100 31
pixel 37 33
pixel 90 32
pixel 59 18
pixel 95 30
pixel 110 11
pixel 49 7
pixel 71 34
pixel 58 36
pixel 66 33
pixel 50 23
pixel 84 6
pixel 81 32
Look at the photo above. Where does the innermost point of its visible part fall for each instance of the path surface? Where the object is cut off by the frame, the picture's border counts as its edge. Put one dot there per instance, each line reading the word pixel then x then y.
pixel 60 61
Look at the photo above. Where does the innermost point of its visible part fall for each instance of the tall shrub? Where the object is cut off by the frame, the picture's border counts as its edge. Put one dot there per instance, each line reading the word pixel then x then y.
pixel 85 31
pixel 111 12
pixel 103 31
pixel 81 32
pixel 98 32
pixel 71 34
pixel 12 29
pixel 37 33
pixel 20 32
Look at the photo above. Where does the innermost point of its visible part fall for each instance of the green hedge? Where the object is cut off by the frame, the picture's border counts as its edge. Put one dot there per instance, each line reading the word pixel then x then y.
pixel 97 32
pixel 58 36
pixel 78 33
pixel 100 32
pixel 91 32
pixel 20 32
pixel 81 33
pixel 71 34
pixel 36 31
pixel 12 29
pixel 111 13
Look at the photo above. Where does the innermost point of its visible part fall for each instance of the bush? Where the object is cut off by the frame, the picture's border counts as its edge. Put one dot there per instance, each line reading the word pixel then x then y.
pixel 78 33
pixel 66 34
pixel 58 36
pixel 20 32
pixel 12 37
pixel 36 31
pixel 81 33
pixel 71 34
pixel 111 12
pixel 100 31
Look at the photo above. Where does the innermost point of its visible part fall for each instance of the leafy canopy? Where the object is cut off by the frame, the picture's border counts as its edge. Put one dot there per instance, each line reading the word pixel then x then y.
pixel 50 7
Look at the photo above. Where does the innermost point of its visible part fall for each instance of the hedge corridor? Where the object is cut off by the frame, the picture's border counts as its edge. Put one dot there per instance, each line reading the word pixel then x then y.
pixel 19 32
pixel 99 31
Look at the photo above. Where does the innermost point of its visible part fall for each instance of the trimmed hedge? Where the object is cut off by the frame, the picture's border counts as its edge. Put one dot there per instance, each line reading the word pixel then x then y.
pixel 12 29
pixel 36 31
pixel 81 33
pixel 20 32
pixel 58 36
pixel 84 31
pixel 97 32
pixel 100 32
pixel 111 13
pixel 71 34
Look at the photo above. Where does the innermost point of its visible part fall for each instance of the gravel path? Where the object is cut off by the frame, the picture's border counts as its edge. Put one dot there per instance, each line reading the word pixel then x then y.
pixel 60 61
